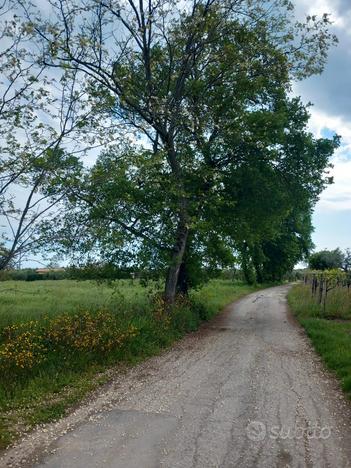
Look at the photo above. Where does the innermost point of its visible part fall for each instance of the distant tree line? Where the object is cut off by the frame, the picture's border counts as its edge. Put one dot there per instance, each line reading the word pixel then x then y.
pixel 87 272
pixel 31 274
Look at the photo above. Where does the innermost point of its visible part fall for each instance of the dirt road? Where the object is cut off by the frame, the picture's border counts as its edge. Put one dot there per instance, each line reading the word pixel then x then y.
pixel 245 391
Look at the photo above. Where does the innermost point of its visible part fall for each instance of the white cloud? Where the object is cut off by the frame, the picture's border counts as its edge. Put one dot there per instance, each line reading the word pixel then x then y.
pixel 336 197
pixel 320 121
pixel 319 7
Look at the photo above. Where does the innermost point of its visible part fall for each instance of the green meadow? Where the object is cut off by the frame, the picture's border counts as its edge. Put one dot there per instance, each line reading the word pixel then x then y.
pixel 329 329
pixel 58 339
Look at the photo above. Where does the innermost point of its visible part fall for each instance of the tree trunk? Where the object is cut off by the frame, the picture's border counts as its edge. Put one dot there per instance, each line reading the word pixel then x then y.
pixel 182 231
pixel 176 261
pixel 183 280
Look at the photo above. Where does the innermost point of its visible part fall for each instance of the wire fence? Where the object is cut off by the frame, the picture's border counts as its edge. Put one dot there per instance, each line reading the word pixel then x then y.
pixel 323 282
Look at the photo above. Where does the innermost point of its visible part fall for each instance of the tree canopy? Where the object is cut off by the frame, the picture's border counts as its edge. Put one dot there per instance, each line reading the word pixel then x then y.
pixel 327 260
pixel 211 160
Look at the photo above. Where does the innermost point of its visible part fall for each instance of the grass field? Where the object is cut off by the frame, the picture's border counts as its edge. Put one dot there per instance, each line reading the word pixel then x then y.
pixel 59 338
pixel 22 300
pixel 329 331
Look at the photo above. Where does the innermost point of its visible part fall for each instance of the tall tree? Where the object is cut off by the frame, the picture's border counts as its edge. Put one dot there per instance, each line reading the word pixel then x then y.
pixel 276 203
pixel 189 77
pixel 39 116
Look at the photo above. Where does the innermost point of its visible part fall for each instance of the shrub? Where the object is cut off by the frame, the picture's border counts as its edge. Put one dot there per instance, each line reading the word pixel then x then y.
pixel 28 344
pixel 23 347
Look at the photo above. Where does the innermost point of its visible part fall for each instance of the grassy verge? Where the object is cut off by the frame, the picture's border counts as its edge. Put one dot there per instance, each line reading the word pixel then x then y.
pixel 56 348
pixel 330 336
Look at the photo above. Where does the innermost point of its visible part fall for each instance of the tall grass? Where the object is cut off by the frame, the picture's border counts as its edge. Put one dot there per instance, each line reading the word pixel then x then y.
pixel 338 305
pixel 63 335
pixel 329 330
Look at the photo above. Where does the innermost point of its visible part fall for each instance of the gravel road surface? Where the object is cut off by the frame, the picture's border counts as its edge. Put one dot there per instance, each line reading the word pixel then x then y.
pixel 245 391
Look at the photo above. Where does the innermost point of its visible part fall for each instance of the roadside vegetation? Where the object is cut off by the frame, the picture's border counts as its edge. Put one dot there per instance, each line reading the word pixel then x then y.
pixel 324 310
pixel 59 338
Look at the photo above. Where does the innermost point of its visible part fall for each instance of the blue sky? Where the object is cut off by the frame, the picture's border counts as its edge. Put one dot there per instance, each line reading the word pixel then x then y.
pixel 330 94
